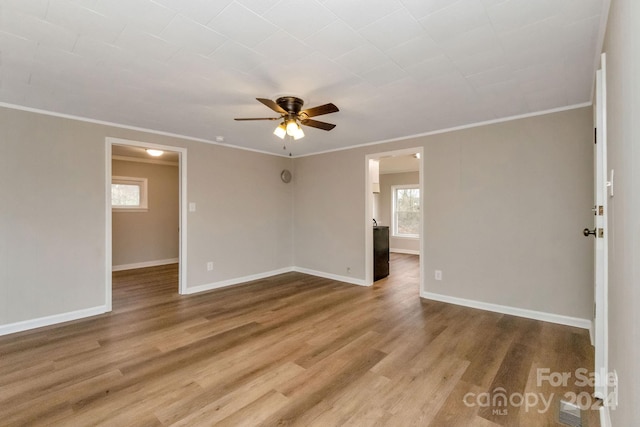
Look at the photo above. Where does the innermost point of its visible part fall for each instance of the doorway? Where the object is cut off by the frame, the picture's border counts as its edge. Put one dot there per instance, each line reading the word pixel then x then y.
pixel 117 145
pixel 379 201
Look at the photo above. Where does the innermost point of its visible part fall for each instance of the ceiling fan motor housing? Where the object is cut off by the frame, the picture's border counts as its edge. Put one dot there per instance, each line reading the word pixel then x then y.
pixel 291 104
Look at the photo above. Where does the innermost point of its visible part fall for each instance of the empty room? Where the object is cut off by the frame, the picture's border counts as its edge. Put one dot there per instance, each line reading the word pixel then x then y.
pixel 319 213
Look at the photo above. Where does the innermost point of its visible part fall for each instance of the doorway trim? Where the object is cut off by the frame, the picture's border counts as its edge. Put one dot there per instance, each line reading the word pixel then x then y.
pixel 601 245
pixel 368 234
pixel 182 212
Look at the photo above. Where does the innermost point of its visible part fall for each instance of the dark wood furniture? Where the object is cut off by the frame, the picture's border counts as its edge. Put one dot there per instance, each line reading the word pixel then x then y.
pixel 380 252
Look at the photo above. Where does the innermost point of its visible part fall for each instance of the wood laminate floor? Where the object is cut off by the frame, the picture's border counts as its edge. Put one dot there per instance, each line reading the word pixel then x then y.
pixel 288 350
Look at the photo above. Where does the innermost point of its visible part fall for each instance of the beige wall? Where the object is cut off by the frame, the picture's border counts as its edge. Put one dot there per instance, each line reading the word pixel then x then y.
pixel 504 208
pixel 53 226
pixel 53 230
pixel 385 202
pixel 140 237
pixel 329 213
pixel 623 102
pixel 244 217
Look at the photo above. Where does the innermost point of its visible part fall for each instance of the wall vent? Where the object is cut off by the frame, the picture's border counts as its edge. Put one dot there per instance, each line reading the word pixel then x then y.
pixel 570 414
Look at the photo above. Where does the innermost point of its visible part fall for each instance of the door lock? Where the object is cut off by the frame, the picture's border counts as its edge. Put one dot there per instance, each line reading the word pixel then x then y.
pixel 599 231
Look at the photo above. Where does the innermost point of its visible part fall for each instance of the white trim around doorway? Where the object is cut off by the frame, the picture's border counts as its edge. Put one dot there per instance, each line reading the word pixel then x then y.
pixel 368 235
pixel 182 164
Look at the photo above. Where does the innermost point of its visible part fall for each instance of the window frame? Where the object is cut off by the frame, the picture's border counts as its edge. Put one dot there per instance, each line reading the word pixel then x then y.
pixel 394 217
pixel 142 183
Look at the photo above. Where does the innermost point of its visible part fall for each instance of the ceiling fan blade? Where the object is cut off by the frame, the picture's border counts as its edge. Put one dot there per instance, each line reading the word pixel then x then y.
pixel 271 104
pixel 258 118
pixel 318 124
pixel 320 110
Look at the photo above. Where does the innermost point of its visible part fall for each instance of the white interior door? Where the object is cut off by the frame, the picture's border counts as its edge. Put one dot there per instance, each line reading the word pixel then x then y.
pixel 600 233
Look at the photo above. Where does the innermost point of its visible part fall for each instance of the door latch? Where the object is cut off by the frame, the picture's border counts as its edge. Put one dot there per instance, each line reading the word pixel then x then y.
pixel 596 232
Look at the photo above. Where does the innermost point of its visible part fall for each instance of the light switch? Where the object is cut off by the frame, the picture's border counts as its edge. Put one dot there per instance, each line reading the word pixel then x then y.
pixel 192 207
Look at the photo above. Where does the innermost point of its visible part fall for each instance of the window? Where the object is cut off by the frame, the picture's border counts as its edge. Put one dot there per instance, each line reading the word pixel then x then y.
pixel 405 211
pixel 128 194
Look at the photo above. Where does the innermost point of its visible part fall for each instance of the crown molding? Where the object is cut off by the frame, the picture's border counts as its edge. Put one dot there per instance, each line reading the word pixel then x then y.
pixel 140 160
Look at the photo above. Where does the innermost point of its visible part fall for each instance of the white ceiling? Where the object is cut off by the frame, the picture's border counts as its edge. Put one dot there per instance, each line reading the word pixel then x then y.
pixel 394 67
pixel 399 164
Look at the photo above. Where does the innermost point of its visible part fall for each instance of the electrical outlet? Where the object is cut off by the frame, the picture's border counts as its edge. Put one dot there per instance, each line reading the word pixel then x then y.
pixel 438 275
pixel 349 270
pixel 210 266
pixel 613 394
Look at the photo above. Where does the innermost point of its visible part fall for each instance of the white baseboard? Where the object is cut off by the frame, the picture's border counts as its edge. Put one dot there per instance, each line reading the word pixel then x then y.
pixel 592 333
pixel 513 311
pixel 12 328
pixel 605 417
pixel 346 279
pixel 155 263
pixel 236 281
pixel 245 279
pixel 404 251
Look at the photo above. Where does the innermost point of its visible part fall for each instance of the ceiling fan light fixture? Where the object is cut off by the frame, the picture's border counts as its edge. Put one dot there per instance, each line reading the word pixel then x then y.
pixel 292 127
pixel 281 131
pixel 299 133
pixel 290 110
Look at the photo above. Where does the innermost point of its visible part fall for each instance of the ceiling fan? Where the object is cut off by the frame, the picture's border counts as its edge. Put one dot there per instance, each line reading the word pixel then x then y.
pixel 292 116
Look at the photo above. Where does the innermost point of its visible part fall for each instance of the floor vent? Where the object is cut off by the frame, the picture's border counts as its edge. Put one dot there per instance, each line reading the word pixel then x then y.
pixel 570 414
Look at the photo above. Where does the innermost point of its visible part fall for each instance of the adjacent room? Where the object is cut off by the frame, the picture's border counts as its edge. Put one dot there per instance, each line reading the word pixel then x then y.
pixel 396 214
pixel 146 207
pixel 319 212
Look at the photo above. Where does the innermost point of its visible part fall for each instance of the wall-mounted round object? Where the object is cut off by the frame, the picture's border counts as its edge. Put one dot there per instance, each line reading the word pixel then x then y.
pixel 285 176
